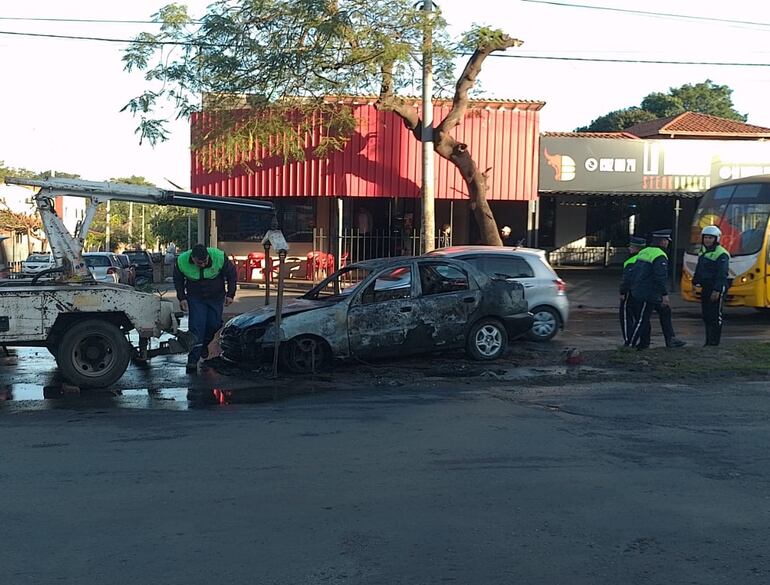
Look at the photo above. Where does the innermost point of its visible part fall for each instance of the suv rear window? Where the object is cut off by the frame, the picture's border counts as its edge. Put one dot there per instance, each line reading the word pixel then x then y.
pixel 94 261
pixel 502 266
pixel 139 257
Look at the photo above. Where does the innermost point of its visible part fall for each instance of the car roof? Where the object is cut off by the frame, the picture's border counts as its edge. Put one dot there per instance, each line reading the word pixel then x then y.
pixel 377 263
pixel 457 250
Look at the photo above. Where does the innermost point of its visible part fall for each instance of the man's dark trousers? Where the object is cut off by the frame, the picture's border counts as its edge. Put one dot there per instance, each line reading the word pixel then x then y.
pixel 711 311
pixel 205 319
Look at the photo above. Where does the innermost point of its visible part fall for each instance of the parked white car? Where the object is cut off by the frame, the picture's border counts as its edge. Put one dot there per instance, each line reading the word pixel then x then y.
pixel 36 263
pixel 545 292
pixel 104 266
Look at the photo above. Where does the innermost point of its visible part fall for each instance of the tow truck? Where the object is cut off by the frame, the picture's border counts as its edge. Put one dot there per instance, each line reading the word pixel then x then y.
pixel 86 325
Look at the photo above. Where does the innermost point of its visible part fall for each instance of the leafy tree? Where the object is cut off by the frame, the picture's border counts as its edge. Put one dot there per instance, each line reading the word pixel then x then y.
pixel 170 224
pixel 283 58
pixel 705 98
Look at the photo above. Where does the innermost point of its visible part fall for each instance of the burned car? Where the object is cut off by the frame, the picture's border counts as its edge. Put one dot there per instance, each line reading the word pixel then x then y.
pixel 386 307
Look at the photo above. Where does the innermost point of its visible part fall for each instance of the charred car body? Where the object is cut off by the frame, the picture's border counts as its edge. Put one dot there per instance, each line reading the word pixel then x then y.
pixel 387 307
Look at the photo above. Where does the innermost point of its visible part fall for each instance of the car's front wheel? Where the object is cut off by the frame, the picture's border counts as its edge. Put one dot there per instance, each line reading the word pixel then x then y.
pixel 304 354
pixel 545 325
pixel 487 340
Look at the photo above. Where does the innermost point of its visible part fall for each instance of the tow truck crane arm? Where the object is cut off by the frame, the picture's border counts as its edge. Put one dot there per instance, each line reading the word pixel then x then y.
pixel 67 249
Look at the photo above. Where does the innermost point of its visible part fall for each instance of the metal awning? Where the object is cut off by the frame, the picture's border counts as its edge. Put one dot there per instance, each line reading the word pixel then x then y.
pixel 581 196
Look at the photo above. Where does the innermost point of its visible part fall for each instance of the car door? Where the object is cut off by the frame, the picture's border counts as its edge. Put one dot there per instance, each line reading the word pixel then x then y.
pixel 448 298
pixel 511 267
pixel 383 315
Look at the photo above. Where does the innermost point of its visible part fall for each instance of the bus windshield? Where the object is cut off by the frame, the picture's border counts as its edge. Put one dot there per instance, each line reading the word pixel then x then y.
pixel 740 211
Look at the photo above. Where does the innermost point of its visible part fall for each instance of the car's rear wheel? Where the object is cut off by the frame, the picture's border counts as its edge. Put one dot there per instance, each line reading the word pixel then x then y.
pixel 545 325
pixel 487 340
pixel 304 354
pixel 93 354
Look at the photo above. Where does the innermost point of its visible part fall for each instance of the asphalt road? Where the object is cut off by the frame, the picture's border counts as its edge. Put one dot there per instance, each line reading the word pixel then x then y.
pixel 420 472
pixel 437 481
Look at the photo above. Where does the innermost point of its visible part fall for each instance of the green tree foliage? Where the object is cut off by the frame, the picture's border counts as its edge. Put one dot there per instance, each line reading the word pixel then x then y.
pixel 267 68
pixel 280 57
pixel 705 98
pixel 170 224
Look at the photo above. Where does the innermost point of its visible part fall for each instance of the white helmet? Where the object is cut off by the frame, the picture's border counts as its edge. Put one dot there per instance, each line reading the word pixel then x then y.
pixel 711 230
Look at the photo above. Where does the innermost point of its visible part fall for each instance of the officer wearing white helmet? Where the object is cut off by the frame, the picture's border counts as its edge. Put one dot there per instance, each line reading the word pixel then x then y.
pixel 711 275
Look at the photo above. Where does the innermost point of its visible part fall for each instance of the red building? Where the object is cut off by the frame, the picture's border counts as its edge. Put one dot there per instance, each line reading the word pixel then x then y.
pixel 370 191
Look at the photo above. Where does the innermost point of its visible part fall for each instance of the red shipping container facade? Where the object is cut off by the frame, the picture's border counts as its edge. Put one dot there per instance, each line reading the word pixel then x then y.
pixel 383 159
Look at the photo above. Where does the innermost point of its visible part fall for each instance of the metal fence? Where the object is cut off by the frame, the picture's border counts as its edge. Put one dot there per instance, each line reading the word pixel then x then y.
pixel 356 245
pixel 352 245
pixel 587 256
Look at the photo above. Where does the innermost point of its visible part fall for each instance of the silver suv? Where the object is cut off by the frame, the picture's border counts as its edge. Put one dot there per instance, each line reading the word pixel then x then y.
pixel 544 290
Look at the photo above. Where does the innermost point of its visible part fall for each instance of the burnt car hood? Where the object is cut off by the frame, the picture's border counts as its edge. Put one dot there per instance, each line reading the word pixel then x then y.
pixel 267 314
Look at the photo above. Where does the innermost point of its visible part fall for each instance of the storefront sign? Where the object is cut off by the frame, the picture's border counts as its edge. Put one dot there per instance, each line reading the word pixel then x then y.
pixel 604 165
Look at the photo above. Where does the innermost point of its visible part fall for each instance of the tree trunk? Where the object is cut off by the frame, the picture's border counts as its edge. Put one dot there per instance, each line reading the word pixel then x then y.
pixel 443 143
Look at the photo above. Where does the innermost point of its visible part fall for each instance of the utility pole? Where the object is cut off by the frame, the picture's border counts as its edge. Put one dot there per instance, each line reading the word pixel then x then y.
pixel 428 205
pixel 107 229
pixel 131 221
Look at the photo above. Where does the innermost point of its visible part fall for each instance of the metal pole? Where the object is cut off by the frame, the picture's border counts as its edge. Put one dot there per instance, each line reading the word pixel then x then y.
pixel 107 229
pixel 142 226
pixel 189 230
pixel 266 273
pixel 278 310
pixel 674 251
pixel 339 230
pixel 428 211
pixel 131 221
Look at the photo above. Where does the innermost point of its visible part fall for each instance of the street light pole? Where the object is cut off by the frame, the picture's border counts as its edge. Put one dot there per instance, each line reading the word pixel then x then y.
pixel 428 205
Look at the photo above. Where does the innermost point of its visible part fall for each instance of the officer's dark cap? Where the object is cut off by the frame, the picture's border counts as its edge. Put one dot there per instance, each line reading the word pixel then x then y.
pixel 637 241
pixel 662 234
pixel 199 252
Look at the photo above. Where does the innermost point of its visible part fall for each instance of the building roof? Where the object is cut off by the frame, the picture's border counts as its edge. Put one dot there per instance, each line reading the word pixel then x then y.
pixel 625 135
pixel 241 101
pixel 695 124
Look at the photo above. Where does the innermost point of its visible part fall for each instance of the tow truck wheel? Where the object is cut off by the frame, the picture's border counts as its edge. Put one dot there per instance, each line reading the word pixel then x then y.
pixel 93 354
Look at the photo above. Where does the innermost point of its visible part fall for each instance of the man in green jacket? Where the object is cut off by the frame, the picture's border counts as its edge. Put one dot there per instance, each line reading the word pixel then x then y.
pixel 205 282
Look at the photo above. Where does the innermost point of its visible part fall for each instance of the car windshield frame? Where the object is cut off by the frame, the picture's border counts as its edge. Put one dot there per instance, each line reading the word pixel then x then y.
pixel 345 276
pixel 38 258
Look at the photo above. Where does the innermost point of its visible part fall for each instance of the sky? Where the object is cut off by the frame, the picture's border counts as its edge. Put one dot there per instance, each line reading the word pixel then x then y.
pixel 60 100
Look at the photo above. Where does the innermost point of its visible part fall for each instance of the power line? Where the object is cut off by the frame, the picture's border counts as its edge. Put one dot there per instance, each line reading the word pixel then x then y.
pixel 106 40
pixel 82 20
pixel 540 57
pixel 643 61
pixel 645 13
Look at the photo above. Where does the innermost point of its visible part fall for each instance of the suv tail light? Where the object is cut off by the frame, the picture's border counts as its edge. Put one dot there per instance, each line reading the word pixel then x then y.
pixel 561 288
pixel 112 270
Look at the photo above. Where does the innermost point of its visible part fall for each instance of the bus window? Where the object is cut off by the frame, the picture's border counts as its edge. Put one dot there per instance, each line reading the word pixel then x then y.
pixel 740 211
pixel 710 211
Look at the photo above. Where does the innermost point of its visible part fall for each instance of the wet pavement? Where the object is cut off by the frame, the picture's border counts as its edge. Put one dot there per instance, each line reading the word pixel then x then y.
pixel 29 379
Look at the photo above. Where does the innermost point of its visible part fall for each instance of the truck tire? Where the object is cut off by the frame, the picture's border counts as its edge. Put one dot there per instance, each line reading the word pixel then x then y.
pixel 93 354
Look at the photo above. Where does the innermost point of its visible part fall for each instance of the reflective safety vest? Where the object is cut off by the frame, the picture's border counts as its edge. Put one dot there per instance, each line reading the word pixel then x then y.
pixel 193 272
pixel 650 254
pixel 631 260
pixel 713 254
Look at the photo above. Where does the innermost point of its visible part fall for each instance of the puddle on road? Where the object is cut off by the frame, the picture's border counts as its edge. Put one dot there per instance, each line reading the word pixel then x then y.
pixel 35 397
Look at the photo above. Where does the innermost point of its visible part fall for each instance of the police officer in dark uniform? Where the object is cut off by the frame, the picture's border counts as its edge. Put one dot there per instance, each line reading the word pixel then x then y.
pixel 627 319
pixel 649 291
pixel 711 274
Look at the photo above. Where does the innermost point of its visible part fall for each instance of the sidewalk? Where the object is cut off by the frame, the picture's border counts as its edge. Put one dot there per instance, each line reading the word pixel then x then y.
pixel 597 288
